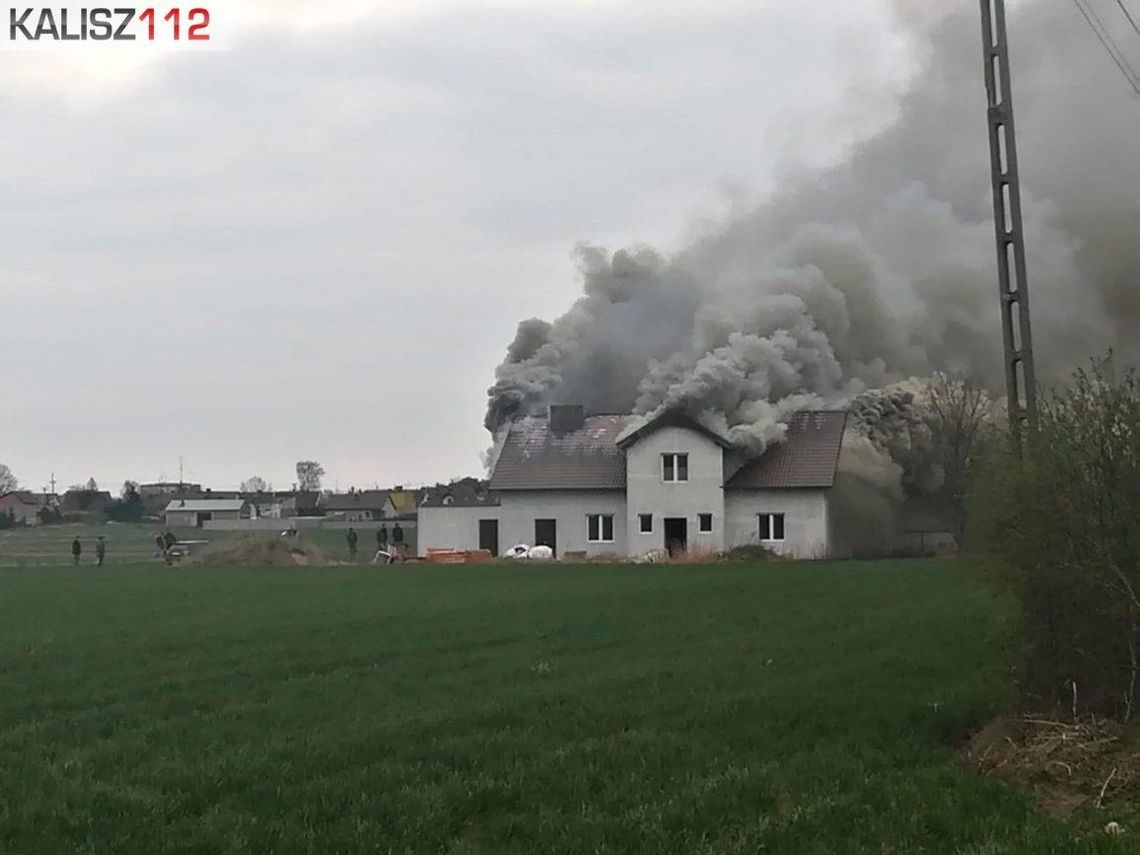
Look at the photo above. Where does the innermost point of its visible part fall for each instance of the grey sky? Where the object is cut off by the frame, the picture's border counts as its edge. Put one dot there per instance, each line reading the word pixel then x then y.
pixel 317 243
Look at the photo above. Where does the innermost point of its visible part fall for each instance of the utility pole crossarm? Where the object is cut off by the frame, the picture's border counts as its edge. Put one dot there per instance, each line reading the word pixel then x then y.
pixel 1013 282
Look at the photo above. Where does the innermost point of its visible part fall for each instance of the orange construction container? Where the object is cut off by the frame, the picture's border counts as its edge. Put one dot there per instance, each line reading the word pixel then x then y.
pixel 446 556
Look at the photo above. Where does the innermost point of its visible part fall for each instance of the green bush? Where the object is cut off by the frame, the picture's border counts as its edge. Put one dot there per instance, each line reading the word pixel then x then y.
pixel 1065 521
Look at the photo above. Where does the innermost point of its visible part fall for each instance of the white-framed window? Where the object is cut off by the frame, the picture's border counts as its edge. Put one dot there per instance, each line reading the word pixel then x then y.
pixel 600 528
pixel 645 523
pixel 771 527
pixel 704 523
pixel 674 467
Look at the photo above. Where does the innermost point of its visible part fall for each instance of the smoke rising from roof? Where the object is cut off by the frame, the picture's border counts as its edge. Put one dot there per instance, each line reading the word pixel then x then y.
pixel 879 269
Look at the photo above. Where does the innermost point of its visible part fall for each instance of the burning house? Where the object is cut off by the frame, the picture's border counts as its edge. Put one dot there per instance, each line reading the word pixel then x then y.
pixel 860 286
pixel 625 485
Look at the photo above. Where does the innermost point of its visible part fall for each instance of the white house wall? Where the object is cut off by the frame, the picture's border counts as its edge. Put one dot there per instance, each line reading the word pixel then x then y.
pixel 649 493
pixel 451 527
pixel 519 510
pixel 805 520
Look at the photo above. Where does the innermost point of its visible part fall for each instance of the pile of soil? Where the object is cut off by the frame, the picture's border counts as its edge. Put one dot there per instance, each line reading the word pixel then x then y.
pixel 1069 766
pixel 262 551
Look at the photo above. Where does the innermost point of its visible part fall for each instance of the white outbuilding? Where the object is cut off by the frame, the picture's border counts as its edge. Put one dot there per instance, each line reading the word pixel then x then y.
pixel 195 513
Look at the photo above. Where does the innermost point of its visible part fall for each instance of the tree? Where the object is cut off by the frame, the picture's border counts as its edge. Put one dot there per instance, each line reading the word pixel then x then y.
pixel 256 484
pixel 8 481
pixel 309 474
pixel 128 508
pixel 1066 521
pixel 92 485
pixel 957 413
pixel 49 515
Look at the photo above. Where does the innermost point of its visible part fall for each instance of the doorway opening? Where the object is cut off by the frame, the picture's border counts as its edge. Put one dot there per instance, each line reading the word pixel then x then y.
pixel 489 536
pixel 546 534
pixel 676 535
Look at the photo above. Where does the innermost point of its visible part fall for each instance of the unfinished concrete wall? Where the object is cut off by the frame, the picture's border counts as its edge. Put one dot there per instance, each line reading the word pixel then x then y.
pixel 806 530
pixel 569 509
pixel 452 527
pixel 648 492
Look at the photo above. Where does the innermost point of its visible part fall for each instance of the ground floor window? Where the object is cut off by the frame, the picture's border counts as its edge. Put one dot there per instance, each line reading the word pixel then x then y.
pixel 704 523
pixel 600 528
pixel 646 522
pixel 771 527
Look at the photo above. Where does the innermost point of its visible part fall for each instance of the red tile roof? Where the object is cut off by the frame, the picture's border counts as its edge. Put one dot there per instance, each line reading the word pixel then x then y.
pixel 534 458
pixel 807 457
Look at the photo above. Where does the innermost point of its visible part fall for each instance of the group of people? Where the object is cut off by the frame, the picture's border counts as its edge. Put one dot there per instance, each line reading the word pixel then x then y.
pixel 382 548
pixel 100 550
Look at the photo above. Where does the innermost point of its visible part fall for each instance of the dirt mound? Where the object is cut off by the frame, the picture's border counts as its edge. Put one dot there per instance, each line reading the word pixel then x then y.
pixel 1070 766
pixel 262 551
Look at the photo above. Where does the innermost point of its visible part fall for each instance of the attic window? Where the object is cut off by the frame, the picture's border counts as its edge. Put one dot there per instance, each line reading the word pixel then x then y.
pixel 674 467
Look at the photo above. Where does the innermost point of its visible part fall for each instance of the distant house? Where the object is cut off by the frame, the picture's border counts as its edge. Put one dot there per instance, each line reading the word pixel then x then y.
pixel 24 506
pixel 169 488
pixel 306 502
pixel 620 485
pixel 402 503
pixel 268 505
pixel 194 513
pixel 85 505
pixel 356 505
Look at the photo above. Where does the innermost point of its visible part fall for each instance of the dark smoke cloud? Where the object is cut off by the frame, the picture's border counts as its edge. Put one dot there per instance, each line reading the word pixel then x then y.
pixel 879 269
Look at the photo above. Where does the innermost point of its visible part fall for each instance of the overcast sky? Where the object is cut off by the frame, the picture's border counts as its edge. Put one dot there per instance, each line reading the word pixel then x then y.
pixel 317 242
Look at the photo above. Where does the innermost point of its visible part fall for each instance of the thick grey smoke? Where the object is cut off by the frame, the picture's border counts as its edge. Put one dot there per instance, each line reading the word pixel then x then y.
pixel 879 269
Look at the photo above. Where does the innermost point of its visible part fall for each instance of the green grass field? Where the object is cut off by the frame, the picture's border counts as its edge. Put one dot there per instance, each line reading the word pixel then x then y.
pixel 781 708
pixel 133 543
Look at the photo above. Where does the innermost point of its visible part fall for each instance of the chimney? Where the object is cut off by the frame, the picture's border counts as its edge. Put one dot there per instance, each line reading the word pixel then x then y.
pixel 566 418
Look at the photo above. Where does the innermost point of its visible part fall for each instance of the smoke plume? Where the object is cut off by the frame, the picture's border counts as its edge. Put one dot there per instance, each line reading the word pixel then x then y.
pixel 879 269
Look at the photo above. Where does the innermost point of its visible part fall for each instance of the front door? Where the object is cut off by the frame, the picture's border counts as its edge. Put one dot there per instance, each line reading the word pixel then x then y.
pixel 676 535
pixel 489 536
pixel 545 534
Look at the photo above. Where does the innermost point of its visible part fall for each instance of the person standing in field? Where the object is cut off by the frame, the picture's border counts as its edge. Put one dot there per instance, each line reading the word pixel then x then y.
pixel 76 550
pixel 100 551
pixel 352 538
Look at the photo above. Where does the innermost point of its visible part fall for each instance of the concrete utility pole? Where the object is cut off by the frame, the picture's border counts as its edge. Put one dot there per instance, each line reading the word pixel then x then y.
pixel 1013 283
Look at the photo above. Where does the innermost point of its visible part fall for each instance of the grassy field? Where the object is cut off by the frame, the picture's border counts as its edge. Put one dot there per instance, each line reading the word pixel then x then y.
pixel 133 543
pixel 781 708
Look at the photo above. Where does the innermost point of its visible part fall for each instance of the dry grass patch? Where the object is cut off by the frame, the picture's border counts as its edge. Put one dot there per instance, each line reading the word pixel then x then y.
pixel 263 551
pixel 1088 764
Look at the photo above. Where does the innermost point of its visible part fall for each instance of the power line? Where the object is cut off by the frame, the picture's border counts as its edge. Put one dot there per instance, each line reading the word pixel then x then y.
pixel 1109 45
pixel 1109 42
pixel 1128 15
